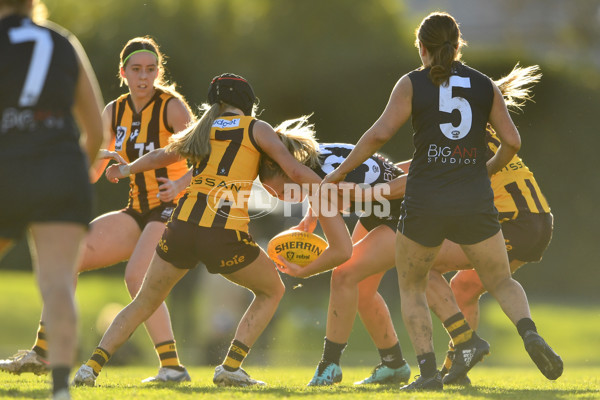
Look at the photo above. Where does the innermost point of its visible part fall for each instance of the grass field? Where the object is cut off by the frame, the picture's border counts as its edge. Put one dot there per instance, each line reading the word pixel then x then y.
pixel 288 352
pixel 290 383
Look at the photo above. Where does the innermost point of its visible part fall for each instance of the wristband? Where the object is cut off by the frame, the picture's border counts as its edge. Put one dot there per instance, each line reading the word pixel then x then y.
pixel 124 169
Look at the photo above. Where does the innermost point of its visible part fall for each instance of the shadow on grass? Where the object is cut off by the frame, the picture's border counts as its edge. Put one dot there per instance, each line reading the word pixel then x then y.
pixel 504 393
pixel 281 391
pixel 24 392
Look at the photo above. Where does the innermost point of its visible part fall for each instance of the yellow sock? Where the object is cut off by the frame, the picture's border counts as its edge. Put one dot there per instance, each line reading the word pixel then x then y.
pixel 41 345
pixel 167 353
pixel 98 359
pixel 458 328
pixel 235 356
pixel 448 360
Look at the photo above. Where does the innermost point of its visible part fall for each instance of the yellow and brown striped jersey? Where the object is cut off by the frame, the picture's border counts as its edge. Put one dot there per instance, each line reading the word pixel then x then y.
pixel 515 188
pixel 138 134
pixel 218 194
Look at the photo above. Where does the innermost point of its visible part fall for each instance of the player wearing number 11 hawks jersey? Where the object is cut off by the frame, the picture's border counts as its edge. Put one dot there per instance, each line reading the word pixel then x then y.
pixel 138 132
pixel 137 122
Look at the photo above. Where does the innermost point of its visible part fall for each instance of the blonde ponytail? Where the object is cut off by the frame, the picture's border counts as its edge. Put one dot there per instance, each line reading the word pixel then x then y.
pixel 193 143
pixel 516 86
pixel 298 136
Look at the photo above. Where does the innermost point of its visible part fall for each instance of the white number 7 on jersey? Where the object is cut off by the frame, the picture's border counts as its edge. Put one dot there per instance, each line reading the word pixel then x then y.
pixel 39 63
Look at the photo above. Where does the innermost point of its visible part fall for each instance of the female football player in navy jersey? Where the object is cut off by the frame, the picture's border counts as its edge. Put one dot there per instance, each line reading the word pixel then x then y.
pixel 210 223
pixel 47 90
pixel 526 224
pixel 138 122
pixel 448 193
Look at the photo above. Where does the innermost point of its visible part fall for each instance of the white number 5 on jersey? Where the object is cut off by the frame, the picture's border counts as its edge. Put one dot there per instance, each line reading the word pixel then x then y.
pixel 449 104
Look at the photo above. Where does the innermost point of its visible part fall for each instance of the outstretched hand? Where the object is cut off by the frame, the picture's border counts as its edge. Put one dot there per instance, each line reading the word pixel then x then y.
pixel 308 223
pixel 111 155
pixel 115 172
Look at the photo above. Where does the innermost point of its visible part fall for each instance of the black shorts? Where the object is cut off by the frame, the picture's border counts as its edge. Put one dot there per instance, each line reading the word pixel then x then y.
pixel 431 230
pixel 223 251
pixel 162 213
pixel 528 236
pixel 48 188
pixel 372 221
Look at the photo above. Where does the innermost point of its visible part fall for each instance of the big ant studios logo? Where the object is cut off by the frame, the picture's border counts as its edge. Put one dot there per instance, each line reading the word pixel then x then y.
pixel 451 155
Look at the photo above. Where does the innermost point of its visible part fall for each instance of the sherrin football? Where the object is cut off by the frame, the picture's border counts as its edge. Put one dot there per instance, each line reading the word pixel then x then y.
pixel 298 247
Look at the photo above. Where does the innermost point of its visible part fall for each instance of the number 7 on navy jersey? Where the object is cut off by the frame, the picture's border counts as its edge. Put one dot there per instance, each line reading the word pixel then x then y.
pixel 40 60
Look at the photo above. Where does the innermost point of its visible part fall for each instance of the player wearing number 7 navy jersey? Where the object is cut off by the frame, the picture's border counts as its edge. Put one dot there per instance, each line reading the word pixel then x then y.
pixel 448 193
pixel 47 92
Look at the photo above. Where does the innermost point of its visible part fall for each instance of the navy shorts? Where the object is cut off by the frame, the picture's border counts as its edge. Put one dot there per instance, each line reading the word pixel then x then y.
pixel 431 230
pixel 371 222
pixel 162 213
pixel 528 236
pixel 46 188
pixel 223 251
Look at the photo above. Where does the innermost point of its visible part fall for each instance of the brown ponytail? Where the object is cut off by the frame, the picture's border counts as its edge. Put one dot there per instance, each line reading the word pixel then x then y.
pixel 440 35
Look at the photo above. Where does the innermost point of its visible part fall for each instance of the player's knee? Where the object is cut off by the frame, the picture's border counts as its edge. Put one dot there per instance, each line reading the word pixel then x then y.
pixel 273 291
pixel 279 290
pixel 342 277
pixel 497 285
pixel 466 288
pixel 133 282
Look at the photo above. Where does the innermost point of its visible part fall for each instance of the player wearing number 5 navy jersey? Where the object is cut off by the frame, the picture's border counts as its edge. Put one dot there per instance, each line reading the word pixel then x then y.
pixel 47 91
pixel 448 193
pixel 453 161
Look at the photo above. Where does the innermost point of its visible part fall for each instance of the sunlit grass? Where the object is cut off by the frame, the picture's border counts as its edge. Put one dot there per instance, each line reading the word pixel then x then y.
pixel 290 383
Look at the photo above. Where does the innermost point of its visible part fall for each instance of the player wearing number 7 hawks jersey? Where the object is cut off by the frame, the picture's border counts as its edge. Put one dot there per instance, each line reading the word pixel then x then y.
pixel 448 193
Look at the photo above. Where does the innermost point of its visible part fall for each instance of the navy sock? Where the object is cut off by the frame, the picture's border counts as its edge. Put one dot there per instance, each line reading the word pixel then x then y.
pixel 524 325
pixel 60 378
pixel 332 352
pixel 427 364
pixel 392 357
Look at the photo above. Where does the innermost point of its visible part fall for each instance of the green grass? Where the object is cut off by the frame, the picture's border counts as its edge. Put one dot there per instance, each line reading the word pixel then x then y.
pixel 290 383
pixel 289 350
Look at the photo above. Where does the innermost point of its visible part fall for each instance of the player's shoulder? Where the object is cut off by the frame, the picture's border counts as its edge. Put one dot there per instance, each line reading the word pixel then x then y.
pixel 53 26
pixel 462 69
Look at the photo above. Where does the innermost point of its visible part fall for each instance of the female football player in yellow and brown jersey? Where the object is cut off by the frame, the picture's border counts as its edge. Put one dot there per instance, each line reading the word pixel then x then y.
pixel 210 223
pixel 140 121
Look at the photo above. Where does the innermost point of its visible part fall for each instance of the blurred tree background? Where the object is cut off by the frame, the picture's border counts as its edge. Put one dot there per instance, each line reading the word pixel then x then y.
pixel 339 59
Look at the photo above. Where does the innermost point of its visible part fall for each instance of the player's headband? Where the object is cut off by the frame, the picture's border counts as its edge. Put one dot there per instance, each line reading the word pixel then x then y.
pixel 138 47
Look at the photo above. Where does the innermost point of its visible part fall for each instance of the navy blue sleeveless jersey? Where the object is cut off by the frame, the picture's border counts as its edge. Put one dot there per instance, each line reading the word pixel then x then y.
pixel 448 174
pixel 375 169
pixel 40 156
pixel 38 75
